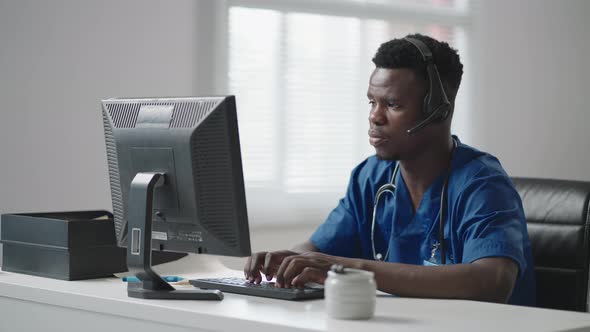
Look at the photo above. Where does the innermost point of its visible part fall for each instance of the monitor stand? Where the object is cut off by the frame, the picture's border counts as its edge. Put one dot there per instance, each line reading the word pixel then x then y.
pixel 151 285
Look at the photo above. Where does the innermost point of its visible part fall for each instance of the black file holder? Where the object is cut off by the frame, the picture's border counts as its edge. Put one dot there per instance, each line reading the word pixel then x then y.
pixel 62 245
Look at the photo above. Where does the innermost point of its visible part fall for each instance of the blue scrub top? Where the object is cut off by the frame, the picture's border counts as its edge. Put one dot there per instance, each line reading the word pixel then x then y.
pixel 484 218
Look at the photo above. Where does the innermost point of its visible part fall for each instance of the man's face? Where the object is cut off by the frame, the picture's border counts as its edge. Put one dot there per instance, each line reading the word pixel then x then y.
pixel 396 97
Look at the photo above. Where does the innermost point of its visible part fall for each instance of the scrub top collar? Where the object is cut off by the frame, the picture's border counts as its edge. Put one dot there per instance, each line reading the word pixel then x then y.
pixel 429 207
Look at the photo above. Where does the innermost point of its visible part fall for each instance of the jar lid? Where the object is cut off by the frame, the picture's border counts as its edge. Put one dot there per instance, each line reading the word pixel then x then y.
pixel 350 274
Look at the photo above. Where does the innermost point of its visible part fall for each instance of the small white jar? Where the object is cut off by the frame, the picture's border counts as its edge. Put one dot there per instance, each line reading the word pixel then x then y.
pixel 350 294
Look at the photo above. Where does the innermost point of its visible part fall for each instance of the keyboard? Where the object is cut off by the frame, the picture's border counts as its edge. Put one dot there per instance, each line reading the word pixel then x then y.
pixel 264 289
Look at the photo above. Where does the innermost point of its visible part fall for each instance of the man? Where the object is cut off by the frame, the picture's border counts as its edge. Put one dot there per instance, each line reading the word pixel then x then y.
pixel 483 252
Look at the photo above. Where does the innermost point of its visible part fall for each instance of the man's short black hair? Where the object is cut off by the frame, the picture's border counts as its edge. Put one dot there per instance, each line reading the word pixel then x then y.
pixel 400 53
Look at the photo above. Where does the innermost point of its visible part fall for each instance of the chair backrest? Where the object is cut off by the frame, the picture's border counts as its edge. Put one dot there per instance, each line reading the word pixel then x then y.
pixel 558 225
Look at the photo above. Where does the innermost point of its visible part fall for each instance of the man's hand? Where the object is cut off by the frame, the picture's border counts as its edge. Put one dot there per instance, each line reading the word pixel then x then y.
pixel 307 267
pixel 266 262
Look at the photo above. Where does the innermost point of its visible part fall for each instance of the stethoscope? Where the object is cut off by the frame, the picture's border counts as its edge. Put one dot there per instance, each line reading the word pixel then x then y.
pixel 390 188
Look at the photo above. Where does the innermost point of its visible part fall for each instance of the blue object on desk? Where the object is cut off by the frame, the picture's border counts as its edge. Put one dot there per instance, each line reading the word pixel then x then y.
pixel 166 278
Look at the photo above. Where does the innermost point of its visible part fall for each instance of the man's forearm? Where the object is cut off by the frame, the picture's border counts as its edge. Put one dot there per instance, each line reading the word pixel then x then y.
pixel 483 282
pixel 306 246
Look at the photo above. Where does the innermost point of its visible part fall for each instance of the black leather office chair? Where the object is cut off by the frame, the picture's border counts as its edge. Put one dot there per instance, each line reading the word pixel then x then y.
pixel 558 223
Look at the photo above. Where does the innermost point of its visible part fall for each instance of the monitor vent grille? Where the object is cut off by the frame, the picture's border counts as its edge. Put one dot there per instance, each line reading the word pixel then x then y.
pixel 113 163
pixel 124 115
pixel 188 114
pixel 215 199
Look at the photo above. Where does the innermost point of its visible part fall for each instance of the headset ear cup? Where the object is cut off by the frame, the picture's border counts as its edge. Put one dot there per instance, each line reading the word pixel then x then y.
pixel 442 111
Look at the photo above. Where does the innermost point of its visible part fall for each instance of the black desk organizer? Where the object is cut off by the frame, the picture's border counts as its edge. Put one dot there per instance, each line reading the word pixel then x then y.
pixel 62 245
pixel 66 245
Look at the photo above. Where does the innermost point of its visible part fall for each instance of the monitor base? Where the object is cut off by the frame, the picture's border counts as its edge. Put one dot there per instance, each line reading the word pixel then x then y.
pixel 151 285
pixel 135 290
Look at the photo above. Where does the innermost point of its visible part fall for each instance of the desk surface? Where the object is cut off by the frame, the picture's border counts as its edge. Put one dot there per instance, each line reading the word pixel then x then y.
pixel 107 297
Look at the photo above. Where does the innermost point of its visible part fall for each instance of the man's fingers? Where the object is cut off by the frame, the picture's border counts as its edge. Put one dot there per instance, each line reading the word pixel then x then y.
pixel 247 267
pixel 284 265
pixel 270 266
pixel 255 266
pixel 258 261
pixel 281 270
pixel 293 269
pixel 309 274
pixel 296 265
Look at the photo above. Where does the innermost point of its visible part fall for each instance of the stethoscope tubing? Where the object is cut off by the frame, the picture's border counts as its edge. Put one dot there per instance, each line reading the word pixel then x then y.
pixel 391 188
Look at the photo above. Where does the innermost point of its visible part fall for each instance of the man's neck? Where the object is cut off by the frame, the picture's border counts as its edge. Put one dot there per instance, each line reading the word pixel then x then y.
pixel 419 173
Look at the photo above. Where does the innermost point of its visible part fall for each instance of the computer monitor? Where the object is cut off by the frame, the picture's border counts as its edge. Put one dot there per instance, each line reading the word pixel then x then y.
pixel 176 182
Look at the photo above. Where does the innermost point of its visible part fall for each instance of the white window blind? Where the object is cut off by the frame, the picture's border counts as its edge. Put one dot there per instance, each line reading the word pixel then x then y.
pixel 300 77
pixel 255 57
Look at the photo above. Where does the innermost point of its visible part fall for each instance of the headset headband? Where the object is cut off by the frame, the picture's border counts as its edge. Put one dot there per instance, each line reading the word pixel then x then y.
pixel 422 48
pixel 436 103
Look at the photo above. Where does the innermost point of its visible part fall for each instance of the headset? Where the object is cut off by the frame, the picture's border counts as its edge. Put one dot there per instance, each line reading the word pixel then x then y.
pixel 436 105
pixel 436 108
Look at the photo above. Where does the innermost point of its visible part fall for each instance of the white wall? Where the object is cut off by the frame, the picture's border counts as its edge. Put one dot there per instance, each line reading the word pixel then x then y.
pixel 532 86
pixel 59 58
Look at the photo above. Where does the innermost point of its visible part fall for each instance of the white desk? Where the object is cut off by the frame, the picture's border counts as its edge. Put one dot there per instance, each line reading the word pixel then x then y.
pixel 30 303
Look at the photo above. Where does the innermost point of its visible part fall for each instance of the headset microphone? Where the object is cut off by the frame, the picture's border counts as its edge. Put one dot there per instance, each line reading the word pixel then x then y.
pixel 436 106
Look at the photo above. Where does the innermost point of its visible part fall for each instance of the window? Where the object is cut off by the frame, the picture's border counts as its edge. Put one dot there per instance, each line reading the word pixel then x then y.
pixel 300 70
